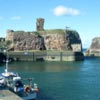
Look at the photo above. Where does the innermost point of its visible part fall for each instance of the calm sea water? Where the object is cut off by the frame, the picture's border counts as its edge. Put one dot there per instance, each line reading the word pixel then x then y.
pixel 62 80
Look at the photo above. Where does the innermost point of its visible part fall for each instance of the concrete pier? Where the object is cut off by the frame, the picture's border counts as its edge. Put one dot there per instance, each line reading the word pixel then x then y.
pixel 8 95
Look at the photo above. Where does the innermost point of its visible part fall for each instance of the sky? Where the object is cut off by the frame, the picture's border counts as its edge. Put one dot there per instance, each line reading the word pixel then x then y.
pixel 80 15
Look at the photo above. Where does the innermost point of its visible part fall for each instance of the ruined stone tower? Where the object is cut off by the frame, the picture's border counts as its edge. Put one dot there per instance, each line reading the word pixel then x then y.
pixel 40 24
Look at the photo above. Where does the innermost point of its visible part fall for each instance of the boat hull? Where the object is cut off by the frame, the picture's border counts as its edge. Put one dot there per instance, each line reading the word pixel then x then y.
pixel 30 96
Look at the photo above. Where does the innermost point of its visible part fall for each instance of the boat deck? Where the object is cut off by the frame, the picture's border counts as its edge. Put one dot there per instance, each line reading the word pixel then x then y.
pixel 8 95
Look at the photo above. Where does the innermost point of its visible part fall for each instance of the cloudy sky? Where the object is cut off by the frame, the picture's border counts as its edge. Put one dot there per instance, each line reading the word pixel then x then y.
pixel 80 15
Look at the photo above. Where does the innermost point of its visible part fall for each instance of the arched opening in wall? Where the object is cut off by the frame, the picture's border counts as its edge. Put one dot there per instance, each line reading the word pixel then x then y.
pixel 52 57
pixel 39 59
pixel 41 49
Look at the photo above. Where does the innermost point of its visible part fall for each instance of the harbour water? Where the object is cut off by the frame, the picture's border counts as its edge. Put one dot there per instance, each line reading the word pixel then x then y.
pixel 62 80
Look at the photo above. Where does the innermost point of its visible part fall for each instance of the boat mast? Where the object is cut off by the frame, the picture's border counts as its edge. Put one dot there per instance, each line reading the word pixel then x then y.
pixel 6 70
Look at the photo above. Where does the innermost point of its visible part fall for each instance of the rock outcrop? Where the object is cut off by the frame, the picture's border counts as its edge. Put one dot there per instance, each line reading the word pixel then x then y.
pixel 95 46
pixel 94 49
pixel 57 39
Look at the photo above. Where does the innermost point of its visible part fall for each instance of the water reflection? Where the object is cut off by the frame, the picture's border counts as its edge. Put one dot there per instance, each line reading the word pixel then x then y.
pixel 44 66
pixel 63 80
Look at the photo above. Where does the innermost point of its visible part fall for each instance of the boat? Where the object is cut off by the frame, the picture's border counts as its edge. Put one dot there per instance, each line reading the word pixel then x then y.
pixel 14 82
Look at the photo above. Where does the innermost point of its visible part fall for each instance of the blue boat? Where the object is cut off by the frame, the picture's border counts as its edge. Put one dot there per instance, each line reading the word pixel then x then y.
pixel 13 82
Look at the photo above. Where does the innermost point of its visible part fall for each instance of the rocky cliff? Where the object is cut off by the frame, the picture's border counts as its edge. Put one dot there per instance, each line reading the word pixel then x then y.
pixel 95 47
pixel 57 39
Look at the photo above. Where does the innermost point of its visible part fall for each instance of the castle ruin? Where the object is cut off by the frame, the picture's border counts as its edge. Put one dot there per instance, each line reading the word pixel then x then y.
pixel 40 24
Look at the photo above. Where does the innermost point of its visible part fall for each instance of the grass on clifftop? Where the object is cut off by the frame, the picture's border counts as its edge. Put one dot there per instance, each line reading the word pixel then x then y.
pixel 52 31
pixel 57 31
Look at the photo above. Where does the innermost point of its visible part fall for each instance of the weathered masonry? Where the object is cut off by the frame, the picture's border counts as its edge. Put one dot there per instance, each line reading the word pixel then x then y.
pixel 46 56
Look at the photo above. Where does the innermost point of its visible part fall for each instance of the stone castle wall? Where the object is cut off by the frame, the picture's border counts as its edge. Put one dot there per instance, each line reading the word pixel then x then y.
pixel 44 41
pixel 57 39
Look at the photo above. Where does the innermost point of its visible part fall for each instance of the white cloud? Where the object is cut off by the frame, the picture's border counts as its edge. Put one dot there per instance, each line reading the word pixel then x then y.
pixel 16 18
pixel 62 10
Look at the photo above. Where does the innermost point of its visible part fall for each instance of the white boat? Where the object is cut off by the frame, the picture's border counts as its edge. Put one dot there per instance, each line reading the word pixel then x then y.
pixel 13 82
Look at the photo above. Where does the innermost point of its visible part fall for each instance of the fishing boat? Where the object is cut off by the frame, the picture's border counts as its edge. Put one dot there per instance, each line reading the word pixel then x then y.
pixel 14 82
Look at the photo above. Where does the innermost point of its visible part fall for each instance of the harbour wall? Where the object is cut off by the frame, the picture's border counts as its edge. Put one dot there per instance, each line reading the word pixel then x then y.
pixel 47 56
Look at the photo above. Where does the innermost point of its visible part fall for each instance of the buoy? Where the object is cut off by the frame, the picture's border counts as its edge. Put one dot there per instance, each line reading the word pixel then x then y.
pixel 27 89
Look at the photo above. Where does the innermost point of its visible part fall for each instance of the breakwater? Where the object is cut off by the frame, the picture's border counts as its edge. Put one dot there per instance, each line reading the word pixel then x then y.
pixel 46 56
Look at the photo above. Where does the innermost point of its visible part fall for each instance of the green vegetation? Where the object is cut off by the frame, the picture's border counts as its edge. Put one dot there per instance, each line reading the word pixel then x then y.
pixel 16 32
pixel 52 31
pixel 5 44
pixel 36 33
